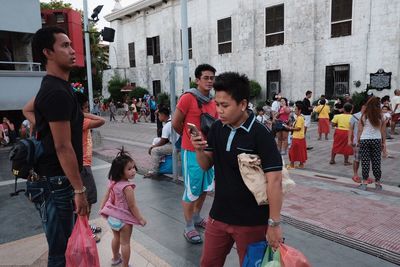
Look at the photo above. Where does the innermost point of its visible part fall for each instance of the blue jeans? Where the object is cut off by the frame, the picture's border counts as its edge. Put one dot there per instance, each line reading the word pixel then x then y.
pixel 53 198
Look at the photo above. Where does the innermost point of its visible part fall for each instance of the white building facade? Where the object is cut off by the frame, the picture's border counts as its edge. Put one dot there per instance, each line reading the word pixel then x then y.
pixel 327 46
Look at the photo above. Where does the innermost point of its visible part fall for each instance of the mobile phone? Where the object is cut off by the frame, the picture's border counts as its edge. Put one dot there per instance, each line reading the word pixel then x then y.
pixel 193 129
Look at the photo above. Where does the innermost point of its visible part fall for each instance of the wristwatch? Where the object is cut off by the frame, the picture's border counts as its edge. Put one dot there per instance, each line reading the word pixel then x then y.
pixel 81 191
pixel 273 223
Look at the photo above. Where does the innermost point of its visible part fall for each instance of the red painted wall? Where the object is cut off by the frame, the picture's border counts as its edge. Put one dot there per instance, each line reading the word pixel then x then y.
pixel 72 24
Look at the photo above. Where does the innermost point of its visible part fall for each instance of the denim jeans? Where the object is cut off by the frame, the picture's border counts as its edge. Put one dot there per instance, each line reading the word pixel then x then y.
pixel 53 198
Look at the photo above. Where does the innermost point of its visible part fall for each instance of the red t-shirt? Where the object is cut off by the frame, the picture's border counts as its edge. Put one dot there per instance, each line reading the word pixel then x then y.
pixel 188 106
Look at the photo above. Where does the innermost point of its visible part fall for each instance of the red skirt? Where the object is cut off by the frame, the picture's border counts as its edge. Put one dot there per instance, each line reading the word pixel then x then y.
pixel 298 150
pixel 323 126
pixel 340 143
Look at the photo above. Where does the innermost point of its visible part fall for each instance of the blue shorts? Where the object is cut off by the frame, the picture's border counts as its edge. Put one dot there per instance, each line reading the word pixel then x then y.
pixel 195 178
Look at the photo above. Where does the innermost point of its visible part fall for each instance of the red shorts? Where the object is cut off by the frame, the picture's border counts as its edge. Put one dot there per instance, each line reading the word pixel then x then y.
pixel 219 239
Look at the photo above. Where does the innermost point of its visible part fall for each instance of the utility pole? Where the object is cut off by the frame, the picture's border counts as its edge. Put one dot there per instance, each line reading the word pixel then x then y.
pixel 185 45
pixel 87 53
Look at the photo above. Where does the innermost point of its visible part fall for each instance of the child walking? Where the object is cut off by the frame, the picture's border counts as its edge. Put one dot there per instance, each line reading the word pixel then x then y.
pixel 119 207
pixel 298 149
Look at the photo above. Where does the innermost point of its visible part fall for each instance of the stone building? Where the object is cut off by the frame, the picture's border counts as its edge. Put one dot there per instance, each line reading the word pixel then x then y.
pixel 289 46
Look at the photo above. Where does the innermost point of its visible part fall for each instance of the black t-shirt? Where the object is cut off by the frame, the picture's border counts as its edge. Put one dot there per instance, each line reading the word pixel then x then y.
pixel 307 105
pixel 233 202
pixel 55 101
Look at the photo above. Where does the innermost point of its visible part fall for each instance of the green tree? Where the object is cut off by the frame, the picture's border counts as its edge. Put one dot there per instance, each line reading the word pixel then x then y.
pixel 138 92
pixel 255 89
pixel 114 87
pixel 55 4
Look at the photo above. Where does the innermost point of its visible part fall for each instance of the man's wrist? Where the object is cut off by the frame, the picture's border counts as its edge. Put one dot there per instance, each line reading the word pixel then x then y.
pixel 273 223
pixel 80 191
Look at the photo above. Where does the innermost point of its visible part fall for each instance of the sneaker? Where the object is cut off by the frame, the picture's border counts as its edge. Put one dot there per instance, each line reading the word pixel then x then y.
pixel 378 187
pixel 362 187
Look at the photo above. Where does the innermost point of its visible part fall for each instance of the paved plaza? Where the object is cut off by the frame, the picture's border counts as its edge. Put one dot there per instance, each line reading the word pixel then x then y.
pixel 326 217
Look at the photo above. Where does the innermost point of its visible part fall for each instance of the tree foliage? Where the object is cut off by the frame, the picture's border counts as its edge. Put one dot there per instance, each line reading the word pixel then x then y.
pixel 55 4
pixel 114 87
pixel 138 92
pixel 255 89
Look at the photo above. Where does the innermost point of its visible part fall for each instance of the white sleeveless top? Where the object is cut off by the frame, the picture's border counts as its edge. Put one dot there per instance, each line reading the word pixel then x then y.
pixel 370 132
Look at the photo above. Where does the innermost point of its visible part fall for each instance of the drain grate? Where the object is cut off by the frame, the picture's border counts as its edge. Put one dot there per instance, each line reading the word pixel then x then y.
pixel 384 254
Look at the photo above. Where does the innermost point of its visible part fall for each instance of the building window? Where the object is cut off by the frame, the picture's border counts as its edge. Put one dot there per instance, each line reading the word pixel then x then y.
pixel 153 48
pixel 337 80
pixel 132 60
pixel 59 17
pixel 274 25
pixel 156 87
pixel 190 42
pixel 224 36
pixel 273 83
pixel 341 17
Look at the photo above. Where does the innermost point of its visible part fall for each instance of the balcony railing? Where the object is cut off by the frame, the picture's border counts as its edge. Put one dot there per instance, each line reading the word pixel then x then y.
pixel 19 66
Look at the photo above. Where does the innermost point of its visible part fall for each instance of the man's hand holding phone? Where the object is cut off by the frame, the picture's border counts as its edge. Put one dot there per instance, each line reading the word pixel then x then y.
pixel 196 137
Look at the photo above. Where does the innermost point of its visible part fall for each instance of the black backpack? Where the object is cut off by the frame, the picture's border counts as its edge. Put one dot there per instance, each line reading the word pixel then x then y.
pixel 24 156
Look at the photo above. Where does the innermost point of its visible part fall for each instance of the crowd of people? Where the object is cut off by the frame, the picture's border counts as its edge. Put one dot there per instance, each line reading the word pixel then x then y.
pixel 209 155
pixel 360 130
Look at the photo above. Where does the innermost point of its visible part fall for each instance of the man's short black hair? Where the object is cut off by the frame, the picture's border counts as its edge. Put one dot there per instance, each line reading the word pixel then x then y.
pixel 347 107
pixel 234 84
pixel 164 111
pixel 44 38
pixel 203 67
pixel 308 92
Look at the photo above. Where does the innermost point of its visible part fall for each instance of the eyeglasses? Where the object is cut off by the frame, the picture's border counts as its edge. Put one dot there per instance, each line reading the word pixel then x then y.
pixel 206 78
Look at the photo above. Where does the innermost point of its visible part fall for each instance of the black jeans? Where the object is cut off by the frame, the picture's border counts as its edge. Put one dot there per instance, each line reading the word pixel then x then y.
pixel 53 198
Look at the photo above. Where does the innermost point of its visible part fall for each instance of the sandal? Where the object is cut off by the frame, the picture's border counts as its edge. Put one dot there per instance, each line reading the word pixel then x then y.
pixel 193 237
pixel 117 261
pixel 95 229
pixel 356 179
pixel 332 162
pixel 370 180
pixel 290 167
pixel 347 163
pixel 96 238
pixel 201 224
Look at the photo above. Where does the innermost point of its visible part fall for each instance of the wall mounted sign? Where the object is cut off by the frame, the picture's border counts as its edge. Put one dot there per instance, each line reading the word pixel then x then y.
pixel 380 80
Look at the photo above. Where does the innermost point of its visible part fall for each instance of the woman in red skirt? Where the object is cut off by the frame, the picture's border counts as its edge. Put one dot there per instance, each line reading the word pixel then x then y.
pixel 298 148
pixel 323 111
pixel 341 136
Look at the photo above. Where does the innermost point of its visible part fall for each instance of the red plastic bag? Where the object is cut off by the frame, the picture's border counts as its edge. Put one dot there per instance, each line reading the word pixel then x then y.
pixel 291 257
pixel 81 248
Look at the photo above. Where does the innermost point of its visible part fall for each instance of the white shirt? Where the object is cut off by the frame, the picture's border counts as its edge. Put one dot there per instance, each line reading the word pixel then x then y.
pixel 275 106
pixel 370 132
pixel 396 101
pixel 166 131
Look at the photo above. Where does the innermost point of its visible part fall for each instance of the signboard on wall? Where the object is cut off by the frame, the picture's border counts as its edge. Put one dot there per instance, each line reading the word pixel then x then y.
pixel 380 80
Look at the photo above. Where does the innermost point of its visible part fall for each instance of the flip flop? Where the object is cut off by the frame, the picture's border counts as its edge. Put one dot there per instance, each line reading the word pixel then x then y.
pixel 356 179
pixel 201 224
pixel 347 163
pixel 332 162
pixel 193 237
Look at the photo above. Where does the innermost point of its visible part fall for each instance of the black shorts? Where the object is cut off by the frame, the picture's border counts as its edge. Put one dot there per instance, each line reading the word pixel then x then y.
pixel 88 182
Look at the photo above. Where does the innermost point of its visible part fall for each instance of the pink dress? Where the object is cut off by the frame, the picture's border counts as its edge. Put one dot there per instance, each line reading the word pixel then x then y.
pixel 117 206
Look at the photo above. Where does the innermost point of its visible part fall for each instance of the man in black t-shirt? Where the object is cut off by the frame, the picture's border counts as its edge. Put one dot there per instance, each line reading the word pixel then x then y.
pixel 235 215
pixel 58 120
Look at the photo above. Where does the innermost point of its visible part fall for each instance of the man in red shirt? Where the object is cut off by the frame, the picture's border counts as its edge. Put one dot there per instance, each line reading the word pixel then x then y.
pixel 197 181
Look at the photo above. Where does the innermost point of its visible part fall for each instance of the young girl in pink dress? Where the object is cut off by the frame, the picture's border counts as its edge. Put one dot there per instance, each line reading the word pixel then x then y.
pixel 119 207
